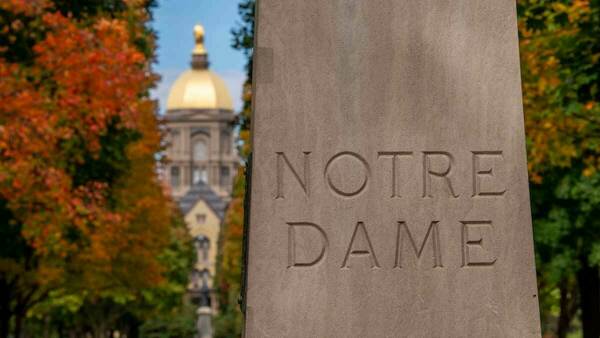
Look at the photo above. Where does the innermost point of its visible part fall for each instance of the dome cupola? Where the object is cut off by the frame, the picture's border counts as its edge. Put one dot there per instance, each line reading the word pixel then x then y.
pixel 199 88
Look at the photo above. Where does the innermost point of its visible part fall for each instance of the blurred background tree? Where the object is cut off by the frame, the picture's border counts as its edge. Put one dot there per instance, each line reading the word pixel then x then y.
pixel 228 279
pixel 89 241
pixel 560 53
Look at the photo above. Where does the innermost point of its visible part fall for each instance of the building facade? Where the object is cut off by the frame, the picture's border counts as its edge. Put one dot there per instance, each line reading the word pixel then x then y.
pixel 201 164
pixel 200 118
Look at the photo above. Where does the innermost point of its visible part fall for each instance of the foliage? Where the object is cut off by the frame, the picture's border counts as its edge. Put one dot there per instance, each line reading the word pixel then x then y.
pixel 561 72
pixel 228 322
pixel 243 40
pixel 173 325
pixel 228 279
pixel 560 53
pixel 155 309
pixel 89 237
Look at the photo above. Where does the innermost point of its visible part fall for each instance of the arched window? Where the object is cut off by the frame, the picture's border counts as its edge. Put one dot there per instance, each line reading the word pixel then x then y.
pixel 200 151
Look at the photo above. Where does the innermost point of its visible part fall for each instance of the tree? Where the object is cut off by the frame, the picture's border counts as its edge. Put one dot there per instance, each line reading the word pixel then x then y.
pixel 85 220
pixel 560 50
pixel 229 276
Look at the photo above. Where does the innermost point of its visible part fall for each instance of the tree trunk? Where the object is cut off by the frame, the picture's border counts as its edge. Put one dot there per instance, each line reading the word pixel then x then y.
pixel 46 327
pixel 588 279
pixel 5 313
pixel 568 307
pixel 19 324
pixel 99 329
pixel 4 322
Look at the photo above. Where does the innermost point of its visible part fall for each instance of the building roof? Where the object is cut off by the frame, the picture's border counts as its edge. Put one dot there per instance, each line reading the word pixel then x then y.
pixel 199 88
pixel 201 191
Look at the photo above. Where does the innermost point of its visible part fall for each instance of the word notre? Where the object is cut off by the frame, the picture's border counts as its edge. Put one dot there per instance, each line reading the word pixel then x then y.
pixel 347 160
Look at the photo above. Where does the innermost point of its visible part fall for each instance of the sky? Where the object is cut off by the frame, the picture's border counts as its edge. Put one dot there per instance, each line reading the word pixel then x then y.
pixel 174 21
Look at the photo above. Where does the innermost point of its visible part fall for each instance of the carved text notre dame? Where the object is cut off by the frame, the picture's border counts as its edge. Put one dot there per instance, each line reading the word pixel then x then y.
pixel 476 240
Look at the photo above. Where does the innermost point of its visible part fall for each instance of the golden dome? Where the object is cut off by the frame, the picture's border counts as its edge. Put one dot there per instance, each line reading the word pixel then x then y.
pixel 199 88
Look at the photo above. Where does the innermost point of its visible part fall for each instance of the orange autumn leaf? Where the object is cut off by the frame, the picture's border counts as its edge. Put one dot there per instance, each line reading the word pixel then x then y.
pixel 87 81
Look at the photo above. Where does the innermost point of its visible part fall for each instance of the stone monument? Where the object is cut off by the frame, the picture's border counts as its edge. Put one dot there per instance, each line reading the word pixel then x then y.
pixel 389 180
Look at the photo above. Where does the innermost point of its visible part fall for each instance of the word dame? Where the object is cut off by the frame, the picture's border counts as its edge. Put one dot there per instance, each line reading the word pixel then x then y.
pixel 389 190
pixel 404 239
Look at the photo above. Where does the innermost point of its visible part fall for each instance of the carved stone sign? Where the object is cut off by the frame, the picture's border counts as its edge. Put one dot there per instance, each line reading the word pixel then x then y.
pixel 389 189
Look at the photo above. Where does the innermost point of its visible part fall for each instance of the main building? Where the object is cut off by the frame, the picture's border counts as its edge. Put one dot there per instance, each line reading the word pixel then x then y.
pixel 202 161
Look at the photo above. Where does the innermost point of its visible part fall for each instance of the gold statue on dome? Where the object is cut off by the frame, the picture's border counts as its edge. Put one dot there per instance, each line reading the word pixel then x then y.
pixel 199 37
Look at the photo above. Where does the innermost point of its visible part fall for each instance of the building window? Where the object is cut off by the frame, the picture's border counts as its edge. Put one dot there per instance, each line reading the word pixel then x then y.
pixel 225 180
pixel 200 151
pixel 175 177
pixel 200 174
pixel 196 276
pixel 204 276
pixel 226 142
pixel 200 219
pixel 176 141
pixel 203 248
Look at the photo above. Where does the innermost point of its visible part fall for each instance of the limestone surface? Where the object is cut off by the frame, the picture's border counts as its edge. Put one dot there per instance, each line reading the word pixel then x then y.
pixel 389 180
